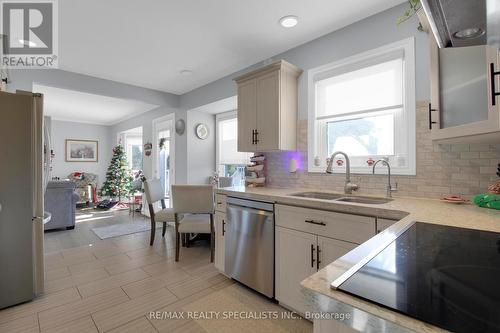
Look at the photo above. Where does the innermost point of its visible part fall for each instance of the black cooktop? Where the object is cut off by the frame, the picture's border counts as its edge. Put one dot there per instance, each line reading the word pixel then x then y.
pixel 446 276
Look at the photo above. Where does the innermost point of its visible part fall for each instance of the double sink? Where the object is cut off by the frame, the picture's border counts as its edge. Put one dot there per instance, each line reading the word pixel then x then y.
pixel 342 198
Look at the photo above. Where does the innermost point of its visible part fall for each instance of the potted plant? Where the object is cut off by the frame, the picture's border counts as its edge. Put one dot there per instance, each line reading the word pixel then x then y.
pixel 415 8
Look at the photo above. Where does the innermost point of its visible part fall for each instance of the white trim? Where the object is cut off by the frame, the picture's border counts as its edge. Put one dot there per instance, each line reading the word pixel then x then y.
pixel 409 102
pixel 169 117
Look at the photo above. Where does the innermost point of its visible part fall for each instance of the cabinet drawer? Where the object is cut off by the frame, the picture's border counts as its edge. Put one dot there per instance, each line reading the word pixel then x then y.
pixel 352 228
pixel 220 202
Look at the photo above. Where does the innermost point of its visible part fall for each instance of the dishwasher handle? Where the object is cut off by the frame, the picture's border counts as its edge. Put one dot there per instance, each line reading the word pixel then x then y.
pixel 250 210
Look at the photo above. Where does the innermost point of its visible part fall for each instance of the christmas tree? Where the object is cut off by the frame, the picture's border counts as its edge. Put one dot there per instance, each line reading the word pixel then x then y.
pixel 119 178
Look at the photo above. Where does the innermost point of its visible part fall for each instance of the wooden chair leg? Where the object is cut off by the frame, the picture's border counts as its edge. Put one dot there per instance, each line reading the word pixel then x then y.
pixel 164 229
pixel 212 238
pixel 177 239
pixel 153 229
pixel 153 224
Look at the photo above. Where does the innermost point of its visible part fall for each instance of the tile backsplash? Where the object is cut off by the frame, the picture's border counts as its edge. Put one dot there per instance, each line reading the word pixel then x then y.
pixel 465 169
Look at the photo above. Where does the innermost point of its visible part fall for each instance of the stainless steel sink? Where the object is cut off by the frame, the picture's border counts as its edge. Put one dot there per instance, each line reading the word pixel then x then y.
pixel 318 195
pixel 341 197
pixel 365 200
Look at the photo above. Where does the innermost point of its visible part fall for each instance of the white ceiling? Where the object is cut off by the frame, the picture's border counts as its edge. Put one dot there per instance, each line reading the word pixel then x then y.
pixel 70 105
pixel 147 42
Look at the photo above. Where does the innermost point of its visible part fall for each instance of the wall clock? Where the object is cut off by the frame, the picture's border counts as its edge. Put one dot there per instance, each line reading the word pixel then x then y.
pixel 202 131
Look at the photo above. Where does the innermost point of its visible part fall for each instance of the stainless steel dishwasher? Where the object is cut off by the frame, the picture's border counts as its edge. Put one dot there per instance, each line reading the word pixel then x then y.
pixel 249 240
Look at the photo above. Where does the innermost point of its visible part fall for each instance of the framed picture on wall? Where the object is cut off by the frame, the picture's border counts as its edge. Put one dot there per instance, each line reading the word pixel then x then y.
pixel 82 150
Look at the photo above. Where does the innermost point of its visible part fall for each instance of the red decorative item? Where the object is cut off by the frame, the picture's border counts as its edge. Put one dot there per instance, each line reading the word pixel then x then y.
pixel 370 161
pixel 340 162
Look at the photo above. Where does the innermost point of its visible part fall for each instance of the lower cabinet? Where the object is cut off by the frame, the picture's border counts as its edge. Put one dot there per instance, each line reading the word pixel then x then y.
pixel 299 255
pixel 219 241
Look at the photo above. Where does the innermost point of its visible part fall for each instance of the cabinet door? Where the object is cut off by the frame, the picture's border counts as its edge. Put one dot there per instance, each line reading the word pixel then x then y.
pixel 219 241
pixel 330 250
pixel 268 112
pixel 461 92
pixel 383 224
pixel 247 115
pixel 295 260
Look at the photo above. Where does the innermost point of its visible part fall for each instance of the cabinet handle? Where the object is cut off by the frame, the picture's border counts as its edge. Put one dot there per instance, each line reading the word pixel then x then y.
pixel 256 137
pixel 430 116
pixel 223 227
pixel 253 137
pixel 315 222
pixel 312 256
pixel 494 92
pixel 318 251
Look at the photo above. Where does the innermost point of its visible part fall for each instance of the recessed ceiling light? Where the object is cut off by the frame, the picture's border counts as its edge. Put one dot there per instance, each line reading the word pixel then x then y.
pixel 27 42
pixel 186 72
pixel 468 33
pixel 289 21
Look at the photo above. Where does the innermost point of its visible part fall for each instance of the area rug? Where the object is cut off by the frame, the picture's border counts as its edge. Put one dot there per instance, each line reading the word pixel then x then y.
pixel 120 229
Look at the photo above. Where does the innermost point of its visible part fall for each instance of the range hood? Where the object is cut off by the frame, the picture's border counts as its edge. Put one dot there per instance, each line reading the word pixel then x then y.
pixel 456 23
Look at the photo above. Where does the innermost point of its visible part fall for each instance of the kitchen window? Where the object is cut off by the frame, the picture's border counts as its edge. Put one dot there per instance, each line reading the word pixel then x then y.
pixel 230 162
pixel 365 107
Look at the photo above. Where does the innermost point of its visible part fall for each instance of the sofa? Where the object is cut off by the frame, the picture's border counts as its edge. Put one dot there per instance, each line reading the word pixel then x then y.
pixel 86 186
pixel 60 201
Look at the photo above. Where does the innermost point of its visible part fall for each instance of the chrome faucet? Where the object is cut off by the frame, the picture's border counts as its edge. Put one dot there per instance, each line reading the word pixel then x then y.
pixel 348 187
pixel 390 189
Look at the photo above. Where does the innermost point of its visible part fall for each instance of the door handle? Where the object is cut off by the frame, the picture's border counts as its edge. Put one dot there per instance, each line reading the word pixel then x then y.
pixel 494 92
pixel 315 222
pixel 312 256
pixel 318 251
pixel 430 116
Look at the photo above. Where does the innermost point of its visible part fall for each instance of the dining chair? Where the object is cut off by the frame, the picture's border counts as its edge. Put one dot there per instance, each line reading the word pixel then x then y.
pixel 193 207
pixel 154 193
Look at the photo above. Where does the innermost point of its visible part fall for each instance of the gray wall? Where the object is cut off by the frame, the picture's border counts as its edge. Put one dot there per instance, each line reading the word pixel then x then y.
pixel 200 153
pixel 195 160
pixel 62 130
pixel 168 103
pixel 146 121
pixel 367 34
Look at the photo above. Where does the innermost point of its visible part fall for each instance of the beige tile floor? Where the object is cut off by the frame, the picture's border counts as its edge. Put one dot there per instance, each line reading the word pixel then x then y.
pixel 112 285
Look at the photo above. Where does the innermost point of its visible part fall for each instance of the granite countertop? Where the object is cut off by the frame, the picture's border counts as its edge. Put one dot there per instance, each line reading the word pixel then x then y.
pixel 406 210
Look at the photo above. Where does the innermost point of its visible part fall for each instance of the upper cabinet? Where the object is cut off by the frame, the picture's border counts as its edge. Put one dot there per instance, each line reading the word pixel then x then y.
pixel 464 103
pixel 267 108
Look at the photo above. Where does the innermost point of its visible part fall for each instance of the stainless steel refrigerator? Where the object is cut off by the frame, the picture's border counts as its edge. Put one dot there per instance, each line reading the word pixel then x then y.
pixel 21 197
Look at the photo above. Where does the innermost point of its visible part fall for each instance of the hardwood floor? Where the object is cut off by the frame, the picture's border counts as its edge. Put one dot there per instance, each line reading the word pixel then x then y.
pixel 114 285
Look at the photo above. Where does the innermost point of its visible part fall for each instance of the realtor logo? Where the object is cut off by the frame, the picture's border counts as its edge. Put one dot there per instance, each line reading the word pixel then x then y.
pixel 29 34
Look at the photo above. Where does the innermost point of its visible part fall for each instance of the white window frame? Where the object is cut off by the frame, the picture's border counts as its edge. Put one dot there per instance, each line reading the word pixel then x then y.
pixel 409 105
pixel 218 118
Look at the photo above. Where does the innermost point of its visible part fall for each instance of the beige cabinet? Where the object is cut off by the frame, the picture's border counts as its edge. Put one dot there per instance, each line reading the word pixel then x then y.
pixel 464 107
pixel 267 108
pixel 295 260
pixel 330 250
pixel 220 229
pixel 383 224
pixel 298 256
pixel 308 240
pixel 220 241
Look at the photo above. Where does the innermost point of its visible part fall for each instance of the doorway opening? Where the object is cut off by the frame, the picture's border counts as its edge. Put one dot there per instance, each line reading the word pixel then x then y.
pixel 164 153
